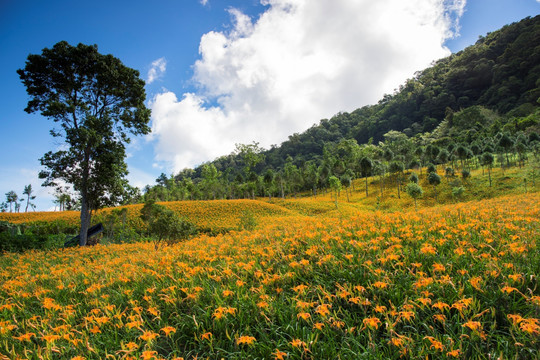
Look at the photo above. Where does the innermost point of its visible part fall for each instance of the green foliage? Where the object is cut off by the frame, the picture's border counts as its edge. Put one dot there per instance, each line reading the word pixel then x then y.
pixel 39 236
pixel 165 225
pixel 415 191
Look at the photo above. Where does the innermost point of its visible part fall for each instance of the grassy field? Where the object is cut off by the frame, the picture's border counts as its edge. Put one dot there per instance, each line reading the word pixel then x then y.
pixel 372 279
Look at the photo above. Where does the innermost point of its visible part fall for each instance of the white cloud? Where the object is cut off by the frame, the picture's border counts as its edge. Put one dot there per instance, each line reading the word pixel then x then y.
pixel 157 70
pixel 300 61
pixel 203 2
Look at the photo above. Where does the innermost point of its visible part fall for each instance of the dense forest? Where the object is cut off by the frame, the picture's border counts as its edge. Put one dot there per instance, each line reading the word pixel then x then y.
pixel 482 100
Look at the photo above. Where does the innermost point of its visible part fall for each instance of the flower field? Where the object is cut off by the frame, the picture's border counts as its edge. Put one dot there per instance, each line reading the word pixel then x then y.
pixel 456 281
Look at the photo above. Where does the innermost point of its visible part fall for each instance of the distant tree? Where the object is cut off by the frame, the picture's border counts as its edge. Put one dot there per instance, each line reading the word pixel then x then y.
pixel 487 160
pixel 366 167
pixel 269 183
pixel 413 178
pixel 434 179
pixel 11 199
pixel 462 153
pixel 210 181
pixel 396 168
pixel 98 102
pixel 28 192
pixel 335 184
pixel 506 143
pixel 415 191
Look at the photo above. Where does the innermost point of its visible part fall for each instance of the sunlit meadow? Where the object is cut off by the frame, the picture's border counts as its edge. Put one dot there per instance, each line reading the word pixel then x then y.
pixel 456 281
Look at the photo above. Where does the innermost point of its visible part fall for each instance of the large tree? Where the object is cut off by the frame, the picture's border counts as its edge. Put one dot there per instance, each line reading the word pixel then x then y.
pixel 97 102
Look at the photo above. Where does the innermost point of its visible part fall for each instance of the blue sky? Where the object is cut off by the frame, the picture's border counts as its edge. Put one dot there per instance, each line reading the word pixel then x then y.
pixel 221 72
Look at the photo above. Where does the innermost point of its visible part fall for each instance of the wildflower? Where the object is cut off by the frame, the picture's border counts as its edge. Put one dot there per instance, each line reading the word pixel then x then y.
pixel 440 305
pixel 132 346
pixel 323 310
pixel 372 322
pixel 508 289
pixel 207 336
pixel 24 337
pixel 516 319
pixel 303 315
pixel 407 315
pixel 262 305
pixel 475 282
pixel 531 326
pixel 435 344
pixel 245 340
pixel 380 284
pixel 227 293
pixel 95 330
pixel 380 309
pixel 148 336
pixel 147 355
pixel 440 318
pixel 454 353
pixel 318 326
pixel 298 343
pixel 279 355
pixel 473 325
pixel 168 329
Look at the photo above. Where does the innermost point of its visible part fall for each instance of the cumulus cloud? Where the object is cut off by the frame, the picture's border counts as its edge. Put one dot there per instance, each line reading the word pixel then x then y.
pixel 157 70
pixel 204 2
pixel 299 62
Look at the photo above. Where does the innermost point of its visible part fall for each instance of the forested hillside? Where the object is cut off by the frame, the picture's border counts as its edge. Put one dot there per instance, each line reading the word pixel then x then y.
pixel 467 101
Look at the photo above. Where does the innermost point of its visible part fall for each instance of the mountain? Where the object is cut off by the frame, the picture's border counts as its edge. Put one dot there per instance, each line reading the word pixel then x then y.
pixel 487 88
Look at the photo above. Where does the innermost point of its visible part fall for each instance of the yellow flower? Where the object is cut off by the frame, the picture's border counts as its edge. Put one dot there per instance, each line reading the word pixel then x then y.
pixel 303 315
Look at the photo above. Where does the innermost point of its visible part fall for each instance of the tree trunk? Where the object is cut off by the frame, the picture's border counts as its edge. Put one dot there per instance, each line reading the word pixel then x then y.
pixel 366 188
pixel 85 221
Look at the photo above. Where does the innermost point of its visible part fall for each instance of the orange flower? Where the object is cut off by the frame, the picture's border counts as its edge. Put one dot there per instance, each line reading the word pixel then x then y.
pixel 372 322
pixel 473 325
pixel 248 340
pixel 148 355
pixel 531 326
pixel 148 336
pixel 454 353
pixel 24 337
pixel 168 329
pixel 298 343
pixel 207 336
pixel 279 355
pixel 303 315
pixel 435 344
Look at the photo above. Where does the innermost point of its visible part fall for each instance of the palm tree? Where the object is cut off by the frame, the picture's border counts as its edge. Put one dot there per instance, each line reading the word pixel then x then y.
pixel 28 192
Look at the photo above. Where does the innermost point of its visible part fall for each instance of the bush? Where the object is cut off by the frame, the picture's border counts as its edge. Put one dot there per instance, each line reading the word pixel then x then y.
pixel 164 225
pixel 19 238
pixel 247 221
